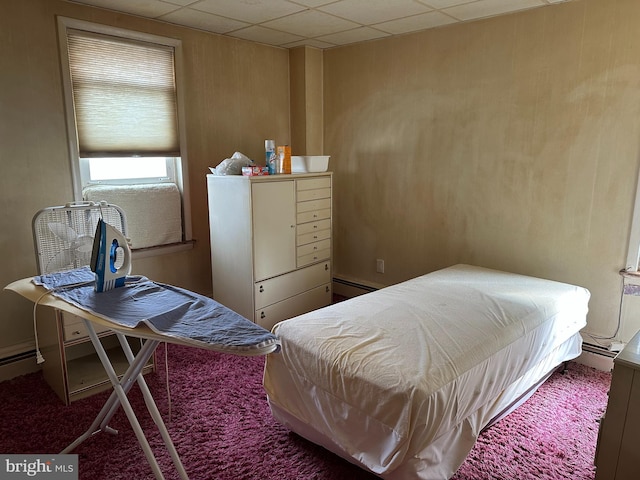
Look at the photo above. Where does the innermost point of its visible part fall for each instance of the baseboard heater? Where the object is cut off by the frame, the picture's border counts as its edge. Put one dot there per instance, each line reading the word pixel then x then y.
pixel 17 358
pixel 359 286
pixel 598 350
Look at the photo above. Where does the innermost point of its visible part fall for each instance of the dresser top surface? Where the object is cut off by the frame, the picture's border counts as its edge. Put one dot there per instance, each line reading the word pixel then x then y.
pixel 630 354
pixel 267 178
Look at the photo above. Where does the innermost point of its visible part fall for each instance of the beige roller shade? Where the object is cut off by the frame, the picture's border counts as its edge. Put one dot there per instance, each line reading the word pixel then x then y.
pixel 124 96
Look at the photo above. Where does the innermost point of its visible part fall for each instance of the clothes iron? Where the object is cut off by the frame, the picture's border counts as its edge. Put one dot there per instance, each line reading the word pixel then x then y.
pixel 110 257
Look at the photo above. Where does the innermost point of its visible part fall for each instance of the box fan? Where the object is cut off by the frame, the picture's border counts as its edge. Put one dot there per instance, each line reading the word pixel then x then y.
pixel 63 236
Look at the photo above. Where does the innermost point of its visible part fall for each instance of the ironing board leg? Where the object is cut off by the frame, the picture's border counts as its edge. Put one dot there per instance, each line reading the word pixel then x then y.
pixel 153 410
pixel 112 404
pixel 119 397
pixel 134 371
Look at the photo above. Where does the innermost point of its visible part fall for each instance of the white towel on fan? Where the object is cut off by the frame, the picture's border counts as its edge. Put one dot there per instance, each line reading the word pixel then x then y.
pixel 153 211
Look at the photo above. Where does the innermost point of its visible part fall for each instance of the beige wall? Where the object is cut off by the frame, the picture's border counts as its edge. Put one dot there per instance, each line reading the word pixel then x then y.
pixel 511 143
pixel 237 94
pixel 306 86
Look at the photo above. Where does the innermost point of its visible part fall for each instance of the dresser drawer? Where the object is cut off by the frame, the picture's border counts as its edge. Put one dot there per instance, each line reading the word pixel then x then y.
pixel 310 227
pixel 279 288
pixel 320 255
pixel 313 205
pixel 313 247
pixel 73 327
pixel 315 194
pixel 313 183
pixel 313 215
pixel 297 305
pixel 312 237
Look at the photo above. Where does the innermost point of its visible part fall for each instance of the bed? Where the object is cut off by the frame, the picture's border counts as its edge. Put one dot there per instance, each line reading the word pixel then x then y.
pixel 402 380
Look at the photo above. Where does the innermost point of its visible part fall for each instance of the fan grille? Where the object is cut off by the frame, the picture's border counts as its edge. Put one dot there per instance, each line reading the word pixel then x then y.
pixel 63 236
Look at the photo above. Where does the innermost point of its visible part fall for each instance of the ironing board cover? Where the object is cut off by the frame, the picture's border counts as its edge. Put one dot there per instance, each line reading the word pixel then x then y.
pixel 167 310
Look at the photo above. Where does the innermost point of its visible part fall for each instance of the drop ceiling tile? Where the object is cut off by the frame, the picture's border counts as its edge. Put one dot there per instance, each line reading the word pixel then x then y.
pixel 444 3
pixel 368 12
pixel 488 8
pixel 144 8
pixel 415 23
pixel 313 3
pixel 182 3
pixel 310 42
pixel 311 23
pixel 361 34
pixel 256 33
pixel 203 21
pixel 251 11
pixel 307 19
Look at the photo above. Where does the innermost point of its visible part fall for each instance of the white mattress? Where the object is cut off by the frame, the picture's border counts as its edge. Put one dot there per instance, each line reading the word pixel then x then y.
pixel 382 377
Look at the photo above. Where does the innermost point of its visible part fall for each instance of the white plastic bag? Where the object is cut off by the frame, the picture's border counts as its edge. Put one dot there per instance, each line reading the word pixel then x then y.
pixel 233 165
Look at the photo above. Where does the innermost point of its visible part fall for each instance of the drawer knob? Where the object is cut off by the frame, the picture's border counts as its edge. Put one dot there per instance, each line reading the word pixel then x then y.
pixel 326 266
pixel 261 289
pixel 262 315
pixel 326 289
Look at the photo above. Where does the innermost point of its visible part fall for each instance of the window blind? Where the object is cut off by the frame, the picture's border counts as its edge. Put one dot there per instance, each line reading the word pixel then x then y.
pixel 124 96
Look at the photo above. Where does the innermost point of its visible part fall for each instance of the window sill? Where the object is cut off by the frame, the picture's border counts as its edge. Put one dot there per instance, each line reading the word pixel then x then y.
pixel 162 249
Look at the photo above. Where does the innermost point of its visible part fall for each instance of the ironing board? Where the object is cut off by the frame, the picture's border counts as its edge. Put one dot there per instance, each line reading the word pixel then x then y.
pixel 29 290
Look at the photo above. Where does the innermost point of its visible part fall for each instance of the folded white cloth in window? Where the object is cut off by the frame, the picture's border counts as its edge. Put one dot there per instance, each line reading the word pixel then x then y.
pixel 153 211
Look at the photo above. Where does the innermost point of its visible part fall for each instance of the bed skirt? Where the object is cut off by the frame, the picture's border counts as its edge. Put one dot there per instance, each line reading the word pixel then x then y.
pixel 443 457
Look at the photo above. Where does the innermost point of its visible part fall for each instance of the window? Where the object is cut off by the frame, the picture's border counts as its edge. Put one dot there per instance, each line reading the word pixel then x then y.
pixel 123 113
pixel 127 170
pixel 633 252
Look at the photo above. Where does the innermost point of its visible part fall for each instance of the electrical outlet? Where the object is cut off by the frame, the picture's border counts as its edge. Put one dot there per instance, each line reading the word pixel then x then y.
pixel 380 265
pixel 616 346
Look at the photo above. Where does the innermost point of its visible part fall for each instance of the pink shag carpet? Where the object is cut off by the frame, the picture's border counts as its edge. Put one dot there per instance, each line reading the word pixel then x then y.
pixel 223 429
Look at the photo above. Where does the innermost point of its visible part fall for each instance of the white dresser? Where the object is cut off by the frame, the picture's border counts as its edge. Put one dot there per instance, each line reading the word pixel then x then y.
pixel 619 435
pixel 271 244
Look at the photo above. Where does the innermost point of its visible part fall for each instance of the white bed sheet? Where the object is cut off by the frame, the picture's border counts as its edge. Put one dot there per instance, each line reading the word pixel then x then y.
pixel 386 375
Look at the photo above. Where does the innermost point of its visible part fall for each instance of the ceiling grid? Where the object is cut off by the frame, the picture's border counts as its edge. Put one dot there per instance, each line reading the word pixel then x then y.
pixel 317 23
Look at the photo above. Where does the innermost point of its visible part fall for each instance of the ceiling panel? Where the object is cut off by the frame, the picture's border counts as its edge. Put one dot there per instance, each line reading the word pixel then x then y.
pixel 490 8
pixel 318 23
pixel 370 12
pixel 249 11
